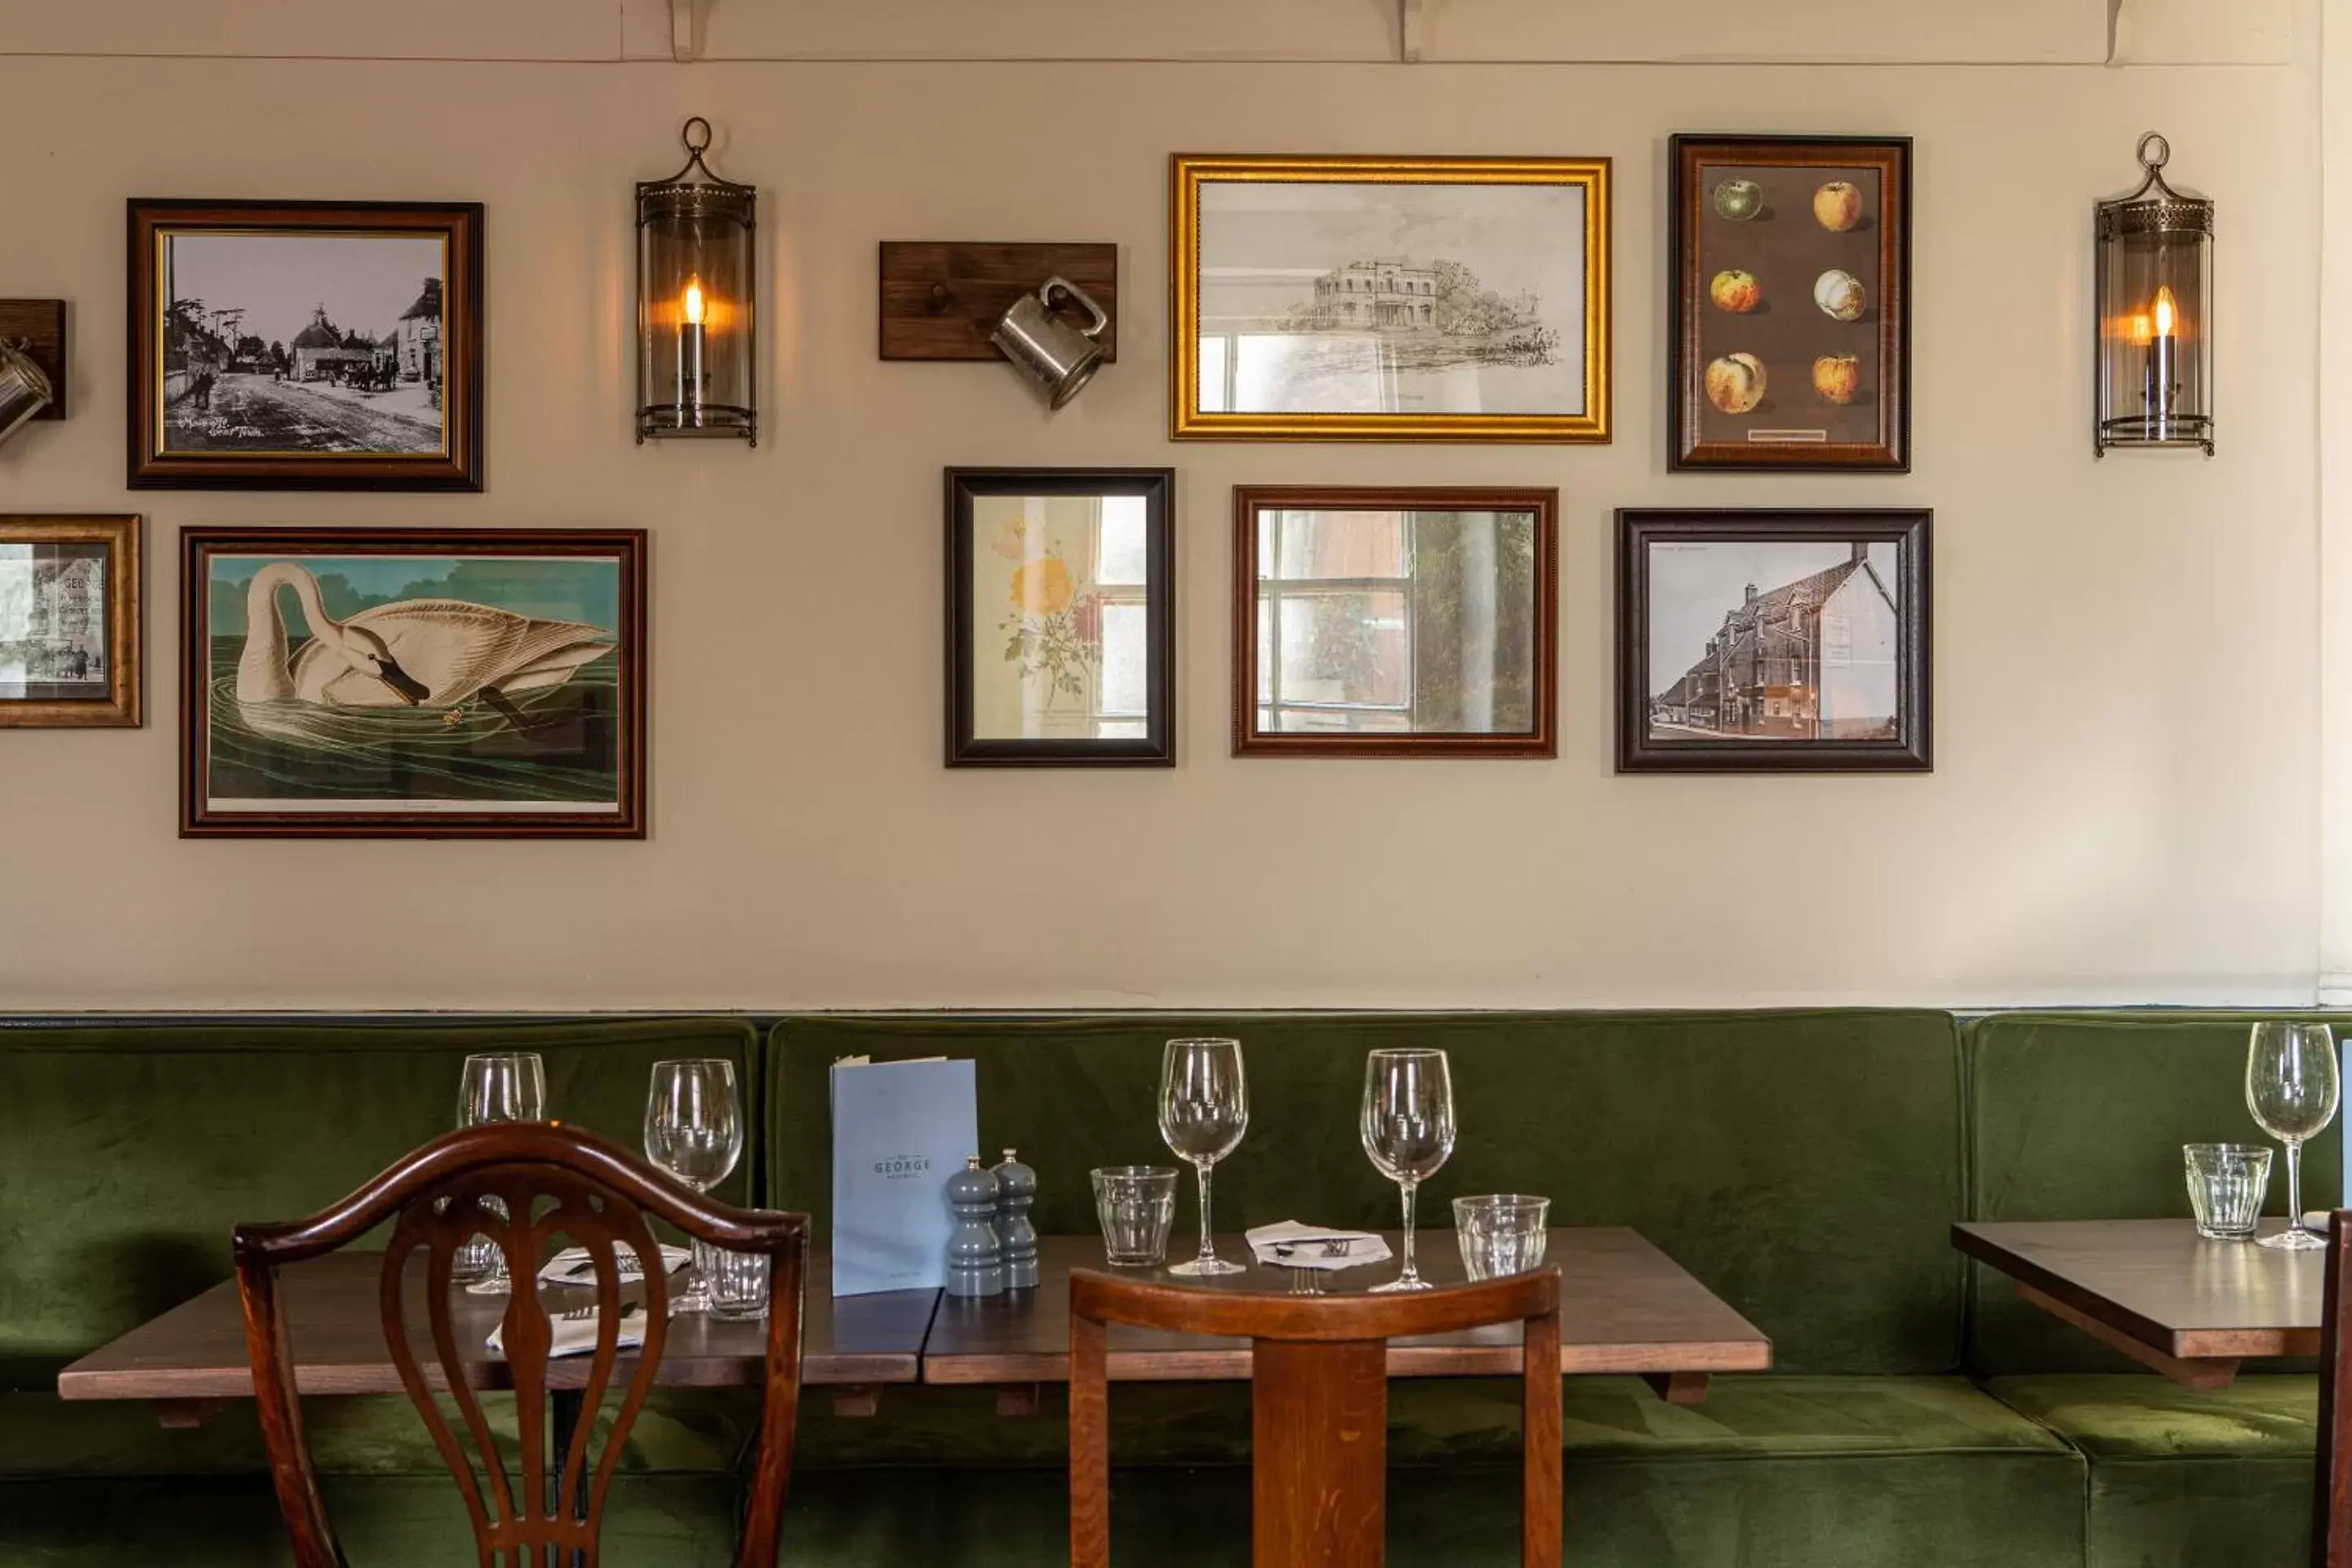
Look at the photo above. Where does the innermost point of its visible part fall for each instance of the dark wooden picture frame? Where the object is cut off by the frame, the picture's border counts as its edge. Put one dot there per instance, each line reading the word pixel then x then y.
pixel 69 703
pixel 1809 418
pixel 1539 740
pixel 1156 748
pixel 1808 642
pixel 453 359
pixel 580 719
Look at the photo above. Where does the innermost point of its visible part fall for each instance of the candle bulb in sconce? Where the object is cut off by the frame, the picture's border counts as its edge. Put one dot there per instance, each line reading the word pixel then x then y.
pixel 2163 362
pixel 691 313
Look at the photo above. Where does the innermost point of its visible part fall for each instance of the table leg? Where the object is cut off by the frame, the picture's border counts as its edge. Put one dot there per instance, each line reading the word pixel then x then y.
pixel 565 1406
pixel 1678 1387
pixel 854 1400
pixel 2190 1372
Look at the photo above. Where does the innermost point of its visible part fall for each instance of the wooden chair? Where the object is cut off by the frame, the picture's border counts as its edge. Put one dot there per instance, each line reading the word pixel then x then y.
pixel 553 1181
pixel 2331 1521
pixel 1320 1393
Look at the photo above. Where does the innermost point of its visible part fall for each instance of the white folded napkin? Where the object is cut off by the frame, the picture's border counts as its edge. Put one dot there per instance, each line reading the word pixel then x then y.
pixel 574 1336
pixel 573 1266
pixel 1291 1245
pixel 2316 1220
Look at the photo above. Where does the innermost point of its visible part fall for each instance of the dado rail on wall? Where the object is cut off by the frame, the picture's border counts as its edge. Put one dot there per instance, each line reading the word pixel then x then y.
pixel 1992 32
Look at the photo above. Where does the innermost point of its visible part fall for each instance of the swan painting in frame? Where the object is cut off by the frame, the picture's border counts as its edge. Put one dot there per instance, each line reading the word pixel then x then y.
pixel 384 683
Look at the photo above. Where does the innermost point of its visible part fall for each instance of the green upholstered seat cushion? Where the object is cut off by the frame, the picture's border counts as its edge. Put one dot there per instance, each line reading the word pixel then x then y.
pixel 689 1431
pixel 2181 1478
pixel 2082 1116
pixel 1445 1421
pixel 1805 1165
pixel 2138 1415
pixel 1770 1473
pixel 128 1152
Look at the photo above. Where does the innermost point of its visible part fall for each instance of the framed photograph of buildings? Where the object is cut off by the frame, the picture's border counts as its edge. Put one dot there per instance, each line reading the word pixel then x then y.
pixel 69 621
pixel 1790 336
pixel 1773 640
pixel 1391 298
pixel 386 683
pixel 1395 623
pixel 305 346
pixel 1061 618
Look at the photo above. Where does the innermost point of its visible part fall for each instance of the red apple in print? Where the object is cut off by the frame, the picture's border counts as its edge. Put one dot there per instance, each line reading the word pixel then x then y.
pixel 1837 376
pixel 1734 291
pixel 1838 205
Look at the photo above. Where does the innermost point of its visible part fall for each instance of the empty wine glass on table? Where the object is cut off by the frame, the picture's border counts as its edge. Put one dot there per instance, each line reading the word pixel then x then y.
pixel 1204 1111
pixel 496 1086
pixel 1408 1131
pixel 2290 1087
pixel 693 1130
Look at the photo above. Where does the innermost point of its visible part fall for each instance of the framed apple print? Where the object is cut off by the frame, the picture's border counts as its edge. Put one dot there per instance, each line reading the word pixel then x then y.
pixel 1791 337
pixel 1060 618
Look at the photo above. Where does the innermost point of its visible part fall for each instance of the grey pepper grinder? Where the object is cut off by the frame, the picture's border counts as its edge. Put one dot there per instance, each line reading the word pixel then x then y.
pixel 1016 1189
pixel 975 1260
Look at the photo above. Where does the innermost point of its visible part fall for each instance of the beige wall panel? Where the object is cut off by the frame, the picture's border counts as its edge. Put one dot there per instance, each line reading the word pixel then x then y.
pixel 342 29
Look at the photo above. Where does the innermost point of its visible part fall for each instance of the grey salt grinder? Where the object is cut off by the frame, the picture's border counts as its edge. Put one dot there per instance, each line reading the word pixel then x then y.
pixel 1016 1189
pixel 975 1261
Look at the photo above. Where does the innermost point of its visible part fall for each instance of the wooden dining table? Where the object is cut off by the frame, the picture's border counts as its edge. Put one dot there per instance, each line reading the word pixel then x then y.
pixel 1625 1307
pixel 2157 1291
pixel 192 1358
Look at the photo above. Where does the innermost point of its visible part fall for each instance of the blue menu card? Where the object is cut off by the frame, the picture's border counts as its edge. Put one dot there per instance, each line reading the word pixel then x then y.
pixel 899 1130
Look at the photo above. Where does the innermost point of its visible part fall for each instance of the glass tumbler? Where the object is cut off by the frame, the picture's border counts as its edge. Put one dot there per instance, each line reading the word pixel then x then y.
pixel 1500 1233
pixel 2226 1183
pixel 739 1286
pixel 1137 1205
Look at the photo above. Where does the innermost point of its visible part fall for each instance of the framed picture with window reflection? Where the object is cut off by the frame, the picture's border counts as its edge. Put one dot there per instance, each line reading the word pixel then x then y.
pixel 1395 623
pixel 1061 618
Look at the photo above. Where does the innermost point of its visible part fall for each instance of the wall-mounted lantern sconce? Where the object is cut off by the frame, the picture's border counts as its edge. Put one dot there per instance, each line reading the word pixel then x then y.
pixel 697 360
pixel 2155 300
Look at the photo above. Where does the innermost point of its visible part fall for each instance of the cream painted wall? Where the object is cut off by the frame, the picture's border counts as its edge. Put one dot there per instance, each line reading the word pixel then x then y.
pixel 2126 798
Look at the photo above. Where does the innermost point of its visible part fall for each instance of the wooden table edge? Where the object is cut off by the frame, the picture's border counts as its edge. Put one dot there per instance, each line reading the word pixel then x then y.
pixel 1233 1364
pixel 120 1385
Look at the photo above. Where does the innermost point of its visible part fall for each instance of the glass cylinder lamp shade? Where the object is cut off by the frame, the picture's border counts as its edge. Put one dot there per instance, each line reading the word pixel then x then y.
pixel 2155 303
pixel 696 359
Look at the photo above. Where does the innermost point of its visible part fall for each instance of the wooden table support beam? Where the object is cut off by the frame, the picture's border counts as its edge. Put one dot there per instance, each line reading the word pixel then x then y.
pixel 1678 1387
pixel 2188 1372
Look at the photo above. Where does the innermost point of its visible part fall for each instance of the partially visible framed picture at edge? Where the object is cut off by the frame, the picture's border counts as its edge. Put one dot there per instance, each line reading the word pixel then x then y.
pixel 1395 623
pixel 305 346
pixel 1061 618
pixel 1791 340
pixel 69 621
pixel 1391 298
pixel 380 682
pixel 1752 642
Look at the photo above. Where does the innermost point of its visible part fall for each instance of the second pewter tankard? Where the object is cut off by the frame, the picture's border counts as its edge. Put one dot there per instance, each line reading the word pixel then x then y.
pixel 1060 356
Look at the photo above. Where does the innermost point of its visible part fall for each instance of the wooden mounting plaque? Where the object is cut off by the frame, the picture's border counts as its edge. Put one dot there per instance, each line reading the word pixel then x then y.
pixel 43 323
pixel 940 298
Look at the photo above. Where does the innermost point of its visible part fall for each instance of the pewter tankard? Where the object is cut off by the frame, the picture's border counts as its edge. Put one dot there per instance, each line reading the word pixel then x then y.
pixel 24 390
pixel 1060 356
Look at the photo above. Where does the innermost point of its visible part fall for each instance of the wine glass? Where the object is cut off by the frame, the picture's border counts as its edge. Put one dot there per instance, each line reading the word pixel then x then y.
pixel 2290 1087
pixel 1408 1130
pixel 496 1086
pixel 1203 1111
pixel 693 1130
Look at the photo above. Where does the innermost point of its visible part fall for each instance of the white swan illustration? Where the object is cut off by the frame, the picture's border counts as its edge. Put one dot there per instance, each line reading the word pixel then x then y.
pixel 442 652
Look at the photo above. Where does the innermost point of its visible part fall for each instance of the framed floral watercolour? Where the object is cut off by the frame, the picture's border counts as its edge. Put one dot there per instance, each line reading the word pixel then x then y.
pixel 306 346
pixel 1395 623
pixel 69 621
pixel 1061 618
pixel 1790 340
pixel 1754 642
pixel 410 683
pixel 1390 298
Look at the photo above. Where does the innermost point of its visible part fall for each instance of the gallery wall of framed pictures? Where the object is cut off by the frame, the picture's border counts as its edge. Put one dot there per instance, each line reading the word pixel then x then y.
pixel 480 681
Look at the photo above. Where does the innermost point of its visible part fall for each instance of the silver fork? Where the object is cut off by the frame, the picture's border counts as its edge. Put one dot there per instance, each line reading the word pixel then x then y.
pixel 582 1314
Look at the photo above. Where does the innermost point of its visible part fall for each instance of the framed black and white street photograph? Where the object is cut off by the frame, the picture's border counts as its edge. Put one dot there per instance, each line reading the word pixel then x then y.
pixel 1753 641
pixel 1350 299
pixel 69 621
pixel 306 346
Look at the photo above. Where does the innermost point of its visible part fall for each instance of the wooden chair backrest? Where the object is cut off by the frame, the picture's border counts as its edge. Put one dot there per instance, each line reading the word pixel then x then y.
pixel 1318 1389
pixel 524 1185
pixel 2331 1524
